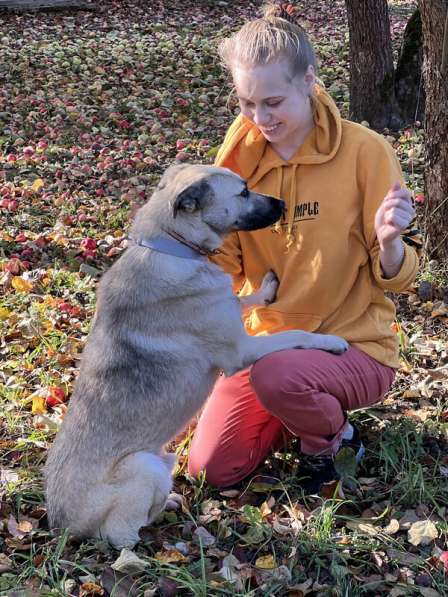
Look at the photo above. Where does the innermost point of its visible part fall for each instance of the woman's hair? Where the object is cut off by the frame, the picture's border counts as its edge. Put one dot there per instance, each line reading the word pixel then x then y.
pixel 276 35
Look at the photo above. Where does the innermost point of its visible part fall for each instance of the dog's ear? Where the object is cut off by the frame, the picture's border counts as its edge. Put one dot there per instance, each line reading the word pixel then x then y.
pixel 192 198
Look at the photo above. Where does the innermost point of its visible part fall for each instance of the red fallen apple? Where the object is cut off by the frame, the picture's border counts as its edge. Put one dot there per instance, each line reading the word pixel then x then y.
pixel 75 311
pixel 27 252
pixel 100 192
pixel 41 242
pixel 20 238
pixel 204 142
pixel 55 396
pixel 67 220
pixel 42 145
pixel 89 244
pixel 420 198
pixel 182 156
pixel 13 266
pixel 28 152
pixel 181 144
pixel 11 157
pixel 5 202
pixel 13 205
pixel 89 254
pixel 64 307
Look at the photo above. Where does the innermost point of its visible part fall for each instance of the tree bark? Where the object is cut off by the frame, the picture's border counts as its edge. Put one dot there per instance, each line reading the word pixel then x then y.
pixel 372 94
pixel 409 88
pixel 434 20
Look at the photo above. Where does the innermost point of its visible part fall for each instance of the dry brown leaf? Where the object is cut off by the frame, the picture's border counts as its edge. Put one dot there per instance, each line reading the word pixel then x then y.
pixel 363 528
pixel 203 537
pixel 170 556
pixel 422 532
pixel 266 562
pixel 90 588
pixel 408 518
pixel 5 563
pixel 393 527
pixel 129 563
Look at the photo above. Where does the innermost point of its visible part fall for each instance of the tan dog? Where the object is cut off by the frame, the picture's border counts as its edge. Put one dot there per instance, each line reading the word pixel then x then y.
pixel 166 324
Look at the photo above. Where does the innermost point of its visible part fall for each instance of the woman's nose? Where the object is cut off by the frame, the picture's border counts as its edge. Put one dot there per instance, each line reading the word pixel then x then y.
pixel 261 116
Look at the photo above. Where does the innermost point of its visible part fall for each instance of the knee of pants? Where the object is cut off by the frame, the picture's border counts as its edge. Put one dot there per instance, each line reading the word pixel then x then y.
pixel 269 378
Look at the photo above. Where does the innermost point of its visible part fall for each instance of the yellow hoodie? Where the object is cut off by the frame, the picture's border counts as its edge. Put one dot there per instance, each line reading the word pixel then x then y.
pixel 324 252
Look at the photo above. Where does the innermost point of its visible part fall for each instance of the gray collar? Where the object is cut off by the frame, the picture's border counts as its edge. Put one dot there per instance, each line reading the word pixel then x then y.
pixel 170 246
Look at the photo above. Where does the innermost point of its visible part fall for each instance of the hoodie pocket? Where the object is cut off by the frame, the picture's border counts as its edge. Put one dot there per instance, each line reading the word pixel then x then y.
pixel 268 321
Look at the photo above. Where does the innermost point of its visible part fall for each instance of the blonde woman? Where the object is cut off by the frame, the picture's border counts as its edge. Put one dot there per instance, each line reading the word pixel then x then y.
pixel 336 251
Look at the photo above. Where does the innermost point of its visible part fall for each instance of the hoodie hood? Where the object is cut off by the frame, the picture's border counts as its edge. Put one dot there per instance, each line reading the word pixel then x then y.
pixel 246 151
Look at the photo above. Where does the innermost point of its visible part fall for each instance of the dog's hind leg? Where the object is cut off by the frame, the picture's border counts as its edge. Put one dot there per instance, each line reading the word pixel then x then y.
pixel 141 489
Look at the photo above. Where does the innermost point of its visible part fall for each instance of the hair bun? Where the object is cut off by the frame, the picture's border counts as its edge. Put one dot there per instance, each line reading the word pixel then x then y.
pixel 280 10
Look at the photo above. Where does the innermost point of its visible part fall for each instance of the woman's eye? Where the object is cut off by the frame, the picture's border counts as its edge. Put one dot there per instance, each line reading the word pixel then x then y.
pixel 274 104
pixel 245 192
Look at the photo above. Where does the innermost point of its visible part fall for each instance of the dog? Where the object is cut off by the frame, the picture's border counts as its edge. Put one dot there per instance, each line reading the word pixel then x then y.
pixel 166 324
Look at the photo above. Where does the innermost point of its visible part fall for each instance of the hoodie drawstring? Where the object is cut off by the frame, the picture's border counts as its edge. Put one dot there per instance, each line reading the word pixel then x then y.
pixel 291 204
pixel 278 225
pixel 291 209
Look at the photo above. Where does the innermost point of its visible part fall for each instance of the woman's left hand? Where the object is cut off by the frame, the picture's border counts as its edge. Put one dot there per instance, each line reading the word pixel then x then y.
pixel 394 215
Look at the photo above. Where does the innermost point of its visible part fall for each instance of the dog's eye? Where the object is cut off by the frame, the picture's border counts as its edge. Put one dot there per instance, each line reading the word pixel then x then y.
pixel 244 192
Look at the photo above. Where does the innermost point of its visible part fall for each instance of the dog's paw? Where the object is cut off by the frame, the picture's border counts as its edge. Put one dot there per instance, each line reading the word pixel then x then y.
pixel 174 502
pixel 268 288
pixel 336 345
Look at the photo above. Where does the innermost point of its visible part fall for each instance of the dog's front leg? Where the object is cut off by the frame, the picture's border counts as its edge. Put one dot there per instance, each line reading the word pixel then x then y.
pixel 264 296
pixel 252 348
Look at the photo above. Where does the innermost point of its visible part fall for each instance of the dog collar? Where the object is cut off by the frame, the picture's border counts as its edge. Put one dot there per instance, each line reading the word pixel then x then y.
pixel 169 246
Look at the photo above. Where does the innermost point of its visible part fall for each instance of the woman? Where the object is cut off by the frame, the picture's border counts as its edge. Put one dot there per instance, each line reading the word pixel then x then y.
pixel 336 251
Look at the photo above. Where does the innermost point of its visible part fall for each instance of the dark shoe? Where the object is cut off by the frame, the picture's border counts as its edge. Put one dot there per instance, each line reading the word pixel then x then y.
pixel 314 471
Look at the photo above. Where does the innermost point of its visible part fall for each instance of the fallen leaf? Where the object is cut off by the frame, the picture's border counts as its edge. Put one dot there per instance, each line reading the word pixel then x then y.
pixel 203 537
pixel 37 185
pixel 90 588
pixel 403 557
pixel 428 592
pixel 38 406
pixel 422 532
pixel 21 285
pixel 5 563
pixel 266 562
pixel 393 527
pixel 129 563
pixel 408 518
pixel 170 556
pixel 363 528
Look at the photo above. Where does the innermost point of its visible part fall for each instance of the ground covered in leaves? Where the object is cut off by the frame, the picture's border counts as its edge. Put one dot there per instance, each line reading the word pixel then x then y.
pixel 93 106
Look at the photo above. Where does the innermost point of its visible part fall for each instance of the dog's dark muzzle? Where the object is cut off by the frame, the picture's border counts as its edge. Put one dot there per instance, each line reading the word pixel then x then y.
pixel 267 211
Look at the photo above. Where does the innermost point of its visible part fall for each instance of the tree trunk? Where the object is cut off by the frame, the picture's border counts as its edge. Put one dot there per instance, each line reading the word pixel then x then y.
pixel 409 89
pixel 372 95
pixel 435 28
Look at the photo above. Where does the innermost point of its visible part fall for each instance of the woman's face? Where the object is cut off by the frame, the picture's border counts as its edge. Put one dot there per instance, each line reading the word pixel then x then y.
pixel 280 107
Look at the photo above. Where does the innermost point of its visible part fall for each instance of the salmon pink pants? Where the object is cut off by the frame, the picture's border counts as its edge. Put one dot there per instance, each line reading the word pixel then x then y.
pixel 302 393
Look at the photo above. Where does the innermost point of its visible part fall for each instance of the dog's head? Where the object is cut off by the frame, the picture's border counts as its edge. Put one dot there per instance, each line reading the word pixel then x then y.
pixel 204 203
pixel 218 198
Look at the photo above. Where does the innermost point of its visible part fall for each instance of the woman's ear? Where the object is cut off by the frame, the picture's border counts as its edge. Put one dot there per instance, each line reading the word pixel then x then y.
pixel 309 79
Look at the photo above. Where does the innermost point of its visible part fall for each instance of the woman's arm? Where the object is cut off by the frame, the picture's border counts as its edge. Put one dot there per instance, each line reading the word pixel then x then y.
pixel 394 215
